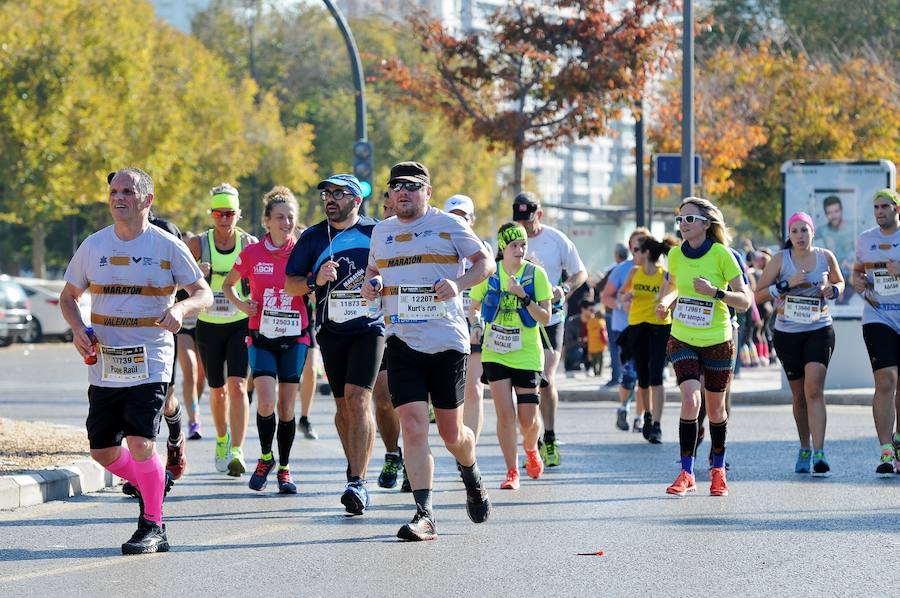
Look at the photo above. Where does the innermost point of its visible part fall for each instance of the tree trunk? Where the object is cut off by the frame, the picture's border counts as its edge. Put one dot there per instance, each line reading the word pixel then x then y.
pixel 517 170
pixel 37 250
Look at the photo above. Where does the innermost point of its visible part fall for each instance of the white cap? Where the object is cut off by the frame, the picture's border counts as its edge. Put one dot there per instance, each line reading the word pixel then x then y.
pixel 462 203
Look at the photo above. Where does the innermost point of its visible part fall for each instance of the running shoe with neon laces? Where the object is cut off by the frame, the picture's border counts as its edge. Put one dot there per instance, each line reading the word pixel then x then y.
pixel 552 459
pixel 355 497
pixel 622 419
pixel 223 453
pixel 431 418
pixel 421 528
pixel 259 478
pixel 655 434
pixel 405 486
pixel 388 476
pixel 534 465
pixel 194 431
pixel 478 505
pixel 803 461
pixel 820 468
pixel 237 466
pixel 512 480
pixel 150 537
pixel 285 483
pixel 306 428
pixel 647 428
pixel 886 464
pixel 897 453
pixel 175 460
pixel 717 484
pixel 683 484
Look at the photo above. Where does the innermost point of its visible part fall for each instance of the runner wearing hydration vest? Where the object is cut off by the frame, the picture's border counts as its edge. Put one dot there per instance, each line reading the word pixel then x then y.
pixel 876 276
pixel 222 330
pixel 799 281
pixel 511 304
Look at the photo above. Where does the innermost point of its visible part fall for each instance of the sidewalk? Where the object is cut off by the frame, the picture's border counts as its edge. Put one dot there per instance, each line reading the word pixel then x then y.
pixel 755 386
pixel 57 483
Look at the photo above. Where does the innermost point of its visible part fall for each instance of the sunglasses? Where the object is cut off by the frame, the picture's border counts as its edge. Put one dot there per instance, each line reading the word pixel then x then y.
pixel 690 219
pixel 223 213
pixel 337 194
pixel 408 185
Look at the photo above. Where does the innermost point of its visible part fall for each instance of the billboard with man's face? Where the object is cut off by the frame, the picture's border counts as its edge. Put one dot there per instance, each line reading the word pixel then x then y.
pixel 838 195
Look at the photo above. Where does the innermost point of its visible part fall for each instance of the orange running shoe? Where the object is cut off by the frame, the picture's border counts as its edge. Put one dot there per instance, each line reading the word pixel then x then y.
pixel 534 465
pixel 512 480
pixel 683 484
pixel 718 486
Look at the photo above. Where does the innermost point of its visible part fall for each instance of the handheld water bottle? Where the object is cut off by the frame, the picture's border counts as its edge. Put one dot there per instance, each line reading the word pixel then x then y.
pixel 374 306
pixel 92 358
pixel 449 306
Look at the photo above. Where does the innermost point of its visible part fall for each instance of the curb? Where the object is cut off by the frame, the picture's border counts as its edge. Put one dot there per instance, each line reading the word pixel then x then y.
pixel 764 397
pixel 59 483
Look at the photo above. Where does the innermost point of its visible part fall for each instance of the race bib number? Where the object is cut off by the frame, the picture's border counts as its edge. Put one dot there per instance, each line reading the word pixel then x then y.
pixel 418 304
pixel 344 306
pixel 124 364
pixel 221 306
pixel 280 322
pixel 885 284
pixel 803 310
pixel 500 339
pixel 696 313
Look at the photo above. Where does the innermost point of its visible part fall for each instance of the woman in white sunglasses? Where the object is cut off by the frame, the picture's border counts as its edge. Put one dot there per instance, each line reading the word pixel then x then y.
pixel 704 279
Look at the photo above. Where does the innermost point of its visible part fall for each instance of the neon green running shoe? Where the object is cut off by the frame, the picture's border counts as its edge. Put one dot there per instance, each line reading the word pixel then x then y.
pixel 237 466
pixel 223 453
pixel 552 458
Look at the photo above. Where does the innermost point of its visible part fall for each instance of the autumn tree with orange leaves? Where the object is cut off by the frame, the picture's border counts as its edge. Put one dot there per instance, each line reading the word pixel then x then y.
pixel 539 76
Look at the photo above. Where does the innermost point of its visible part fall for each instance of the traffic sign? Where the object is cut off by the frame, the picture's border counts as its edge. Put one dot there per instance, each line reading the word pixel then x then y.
pixel 667 169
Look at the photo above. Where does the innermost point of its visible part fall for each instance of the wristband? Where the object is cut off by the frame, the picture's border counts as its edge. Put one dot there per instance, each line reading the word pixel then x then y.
pixel 773 290
pixel 526 301
pixel 720 294
pixel 565 288
pixel 783 286
pixel 311 283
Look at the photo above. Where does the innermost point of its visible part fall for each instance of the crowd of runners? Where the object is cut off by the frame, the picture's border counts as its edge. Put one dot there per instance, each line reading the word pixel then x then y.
pixel 414 314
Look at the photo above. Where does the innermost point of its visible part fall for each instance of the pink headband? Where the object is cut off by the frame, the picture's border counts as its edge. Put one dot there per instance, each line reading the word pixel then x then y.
pixel 801 217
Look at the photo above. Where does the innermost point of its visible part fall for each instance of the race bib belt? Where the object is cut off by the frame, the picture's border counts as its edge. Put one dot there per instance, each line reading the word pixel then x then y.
pixel 418 304
pixel 344 306
pixel 275 323
pixel 885 284
pixel 803 310
pixel 221 306
pixel 696 313
pixel 124 364
pixel 500 339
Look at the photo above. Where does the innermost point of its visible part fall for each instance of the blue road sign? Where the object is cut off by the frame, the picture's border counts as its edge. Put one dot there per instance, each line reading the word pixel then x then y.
pixel 668 169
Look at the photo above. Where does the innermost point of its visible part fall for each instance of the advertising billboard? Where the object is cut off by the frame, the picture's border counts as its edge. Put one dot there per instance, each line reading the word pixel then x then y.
pixel 838 195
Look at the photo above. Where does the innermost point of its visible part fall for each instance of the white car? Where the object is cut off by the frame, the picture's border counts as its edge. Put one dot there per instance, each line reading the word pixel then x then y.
pixel 47 319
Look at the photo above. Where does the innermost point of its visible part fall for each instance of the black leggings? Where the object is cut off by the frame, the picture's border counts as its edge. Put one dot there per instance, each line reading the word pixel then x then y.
pixel 650 353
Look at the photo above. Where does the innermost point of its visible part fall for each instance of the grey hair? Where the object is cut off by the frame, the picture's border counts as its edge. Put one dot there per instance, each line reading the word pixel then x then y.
pixel 621 252
pixel 144 184
pixel 224 188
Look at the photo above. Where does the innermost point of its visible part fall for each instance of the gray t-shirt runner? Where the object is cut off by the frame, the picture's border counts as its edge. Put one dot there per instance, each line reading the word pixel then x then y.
pixel 411 257
pixel 131 284
pixel 873 250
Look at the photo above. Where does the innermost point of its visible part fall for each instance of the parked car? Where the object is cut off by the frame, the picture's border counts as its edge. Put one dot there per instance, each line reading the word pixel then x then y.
pixel 47 319
pixel 15 315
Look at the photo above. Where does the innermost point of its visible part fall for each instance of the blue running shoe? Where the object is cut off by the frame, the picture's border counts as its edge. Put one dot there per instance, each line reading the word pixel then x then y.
pixel 355 498
pixel 803 461
pixel 259 479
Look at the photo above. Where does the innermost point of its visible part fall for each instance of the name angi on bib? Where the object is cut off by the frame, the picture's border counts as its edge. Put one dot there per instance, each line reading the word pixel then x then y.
pixel 418 303
pixel 344 306
pixel 884 283
pixel 124 364
pixel 693 312
pixel 803 310
pixel 221 306
pixel 500 339
pixel 274 323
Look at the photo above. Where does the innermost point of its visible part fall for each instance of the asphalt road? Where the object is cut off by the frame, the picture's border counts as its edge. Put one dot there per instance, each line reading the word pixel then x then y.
pixel 777 533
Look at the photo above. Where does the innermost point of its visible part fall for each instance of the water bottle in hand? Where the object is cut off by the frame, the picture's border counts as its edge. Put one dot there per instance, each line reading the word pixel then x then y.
pixel 374 306
pixel 92 358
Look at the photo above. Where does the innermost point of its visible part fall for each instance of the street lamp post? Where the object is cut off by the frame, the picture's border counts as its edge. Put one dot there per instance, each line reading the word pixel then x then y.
pixel 358 80
pixel 687 101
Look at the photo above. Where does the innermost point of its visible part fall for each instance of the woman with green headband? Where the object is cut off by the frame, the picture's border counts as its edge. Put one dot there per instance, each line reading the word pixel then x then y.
pixel 511 305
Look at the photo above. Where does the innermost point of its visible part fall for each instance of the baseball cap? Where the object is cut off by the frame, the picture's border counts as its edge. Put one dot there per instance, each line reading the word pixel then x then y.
pixel 224 196
pixel 460 202
pixel 524 206
pixel 409 171
pixel 343 180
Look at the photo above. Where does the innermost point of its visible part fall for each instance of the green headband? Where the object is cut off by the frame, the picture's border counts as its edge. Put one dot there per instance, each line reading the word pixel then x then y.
pixel 224 200
pixel 513 233
pixel 890 195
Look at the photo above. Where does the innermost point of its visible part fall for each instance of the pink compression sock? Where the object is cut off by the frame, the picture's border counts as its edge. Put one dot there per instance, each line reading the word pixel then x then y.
pixel 151 482
pixel 124 466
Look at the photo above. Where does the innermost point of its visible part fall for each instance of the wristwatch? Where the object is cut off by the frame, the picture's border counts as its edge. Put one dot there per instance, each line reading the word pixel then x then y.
pixel 311 283
pixel 720 294
pixel 783 286
pixel 526 301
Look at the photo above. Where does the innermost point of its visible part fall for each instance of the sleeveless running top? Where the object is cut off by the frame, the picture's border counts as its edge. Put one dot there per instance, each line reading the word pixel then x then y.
pixel 803 308
pixel 222 311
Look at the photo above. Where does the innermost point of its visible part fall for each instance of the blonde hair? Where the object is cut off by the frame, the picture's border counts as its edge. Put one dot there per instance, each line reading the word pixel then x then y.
pixel 717 230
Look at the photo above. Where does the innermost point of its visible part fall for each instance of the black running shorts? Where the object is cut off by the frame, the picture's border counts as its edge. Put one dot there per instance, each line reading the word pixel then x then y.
pixel 883 345
pixel 413 376
pixel 114 413
pixel 220 345
pixel 796 349
pixel 494 372
pixel 555 334
pixel 350 359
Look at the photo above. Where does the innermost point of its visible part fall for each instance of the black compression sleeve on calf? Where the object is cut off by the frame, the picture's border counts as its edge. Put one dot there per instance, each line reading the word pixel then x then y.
pixel 423 500
pixel 687 436
pixel 287 430
pixel 266 427
pixel 717 433
pixel 174 423
pixel 471 474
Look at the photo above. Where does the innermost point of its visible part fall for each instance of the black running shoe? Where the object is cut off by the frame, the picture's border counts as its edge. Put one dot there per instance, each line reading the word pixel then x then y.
pixel 149 537
pixel 478 505
pixel 419 529
pixel 622 419
pixel 655 434
pixel 647 428
pixel 406 486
